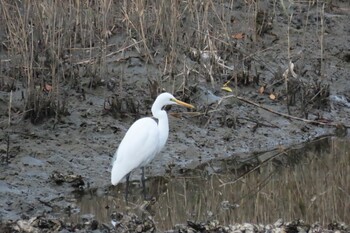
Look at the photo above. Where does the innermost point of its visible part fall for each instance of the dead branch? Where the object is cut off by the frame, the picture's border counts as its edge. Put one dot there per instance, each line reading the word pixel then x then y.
pixel 282 114
pixel 94 59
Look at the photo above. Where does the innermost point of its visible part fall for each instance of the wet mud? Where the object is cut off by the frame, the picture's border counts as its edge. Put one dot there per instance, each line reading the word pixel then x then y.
pixel 260 188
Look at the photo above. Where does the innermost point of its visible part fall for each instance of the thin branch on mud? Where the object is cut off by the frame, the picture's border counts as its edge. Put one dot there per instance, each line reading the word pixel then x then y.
pixel 254 169
pixel 258 123
pixel 45 202
pixel 10 107
pixel 7 148
pixel 258 166
pixel 210 116
pixel 92 60
pixel 22 114
pixel 280 113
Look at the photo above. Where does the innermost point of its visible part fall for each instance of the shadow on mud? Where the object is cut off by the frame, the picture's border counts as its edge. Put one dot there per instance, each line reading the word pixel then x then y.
pixel 307 182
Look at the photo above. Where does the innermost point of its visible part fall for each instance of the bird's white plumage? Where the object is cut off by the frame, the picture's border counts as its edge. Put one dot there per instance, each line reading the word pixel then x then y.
pixel 144 139
pixel 138 147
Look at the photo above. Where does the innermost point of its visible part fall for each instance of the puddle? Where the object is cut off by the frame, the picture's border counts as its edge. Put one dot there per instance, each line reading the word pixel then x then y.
pixel 308 182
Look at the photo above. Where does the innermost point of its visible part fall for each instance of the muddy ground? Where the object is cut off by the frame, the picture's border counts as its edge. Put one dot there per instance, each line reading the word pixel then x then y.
pixel 81 143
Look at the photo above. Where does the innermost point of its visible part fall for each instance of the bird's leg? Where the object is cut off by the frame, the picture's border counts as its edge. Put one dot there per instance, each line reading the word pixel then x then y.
pixel 143 181
pixel 127 187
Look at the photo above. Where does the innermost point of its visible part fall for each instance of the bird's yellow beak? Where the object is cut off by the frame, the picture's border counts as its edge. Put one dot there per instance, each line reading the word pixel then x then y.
pixel 183 103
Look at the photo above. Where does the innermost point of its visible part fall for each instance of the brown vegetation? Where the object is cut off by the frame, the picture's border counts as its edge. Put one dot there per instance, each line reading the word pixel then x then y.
pixel 58 43
pixel 67 66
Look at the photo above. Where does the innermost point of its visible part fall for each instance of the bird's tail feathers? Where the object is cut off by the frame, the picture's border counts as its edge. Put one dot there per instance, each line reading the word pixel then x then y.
pixel 117 174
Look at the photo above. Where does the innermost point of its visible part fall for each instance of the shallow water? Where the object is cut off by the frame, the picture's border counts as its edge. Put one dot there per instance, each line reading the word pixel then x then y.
pixel 308 182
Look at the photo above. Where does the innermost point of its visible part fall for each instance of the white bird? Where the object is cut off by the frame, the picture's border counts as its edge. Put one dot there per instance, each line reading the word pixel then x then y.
pixel 143 141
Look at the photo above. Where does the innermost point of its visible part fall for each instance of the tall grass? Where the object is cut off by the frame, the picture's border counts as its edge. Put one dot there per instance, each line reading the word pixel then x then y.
pixel 41 39
pixel 55 42
pixel 47 41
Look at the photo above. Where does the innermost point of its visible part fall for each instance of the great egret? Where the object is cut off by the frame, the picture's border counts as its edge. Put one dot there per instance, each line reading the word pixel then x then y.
pixel 143 141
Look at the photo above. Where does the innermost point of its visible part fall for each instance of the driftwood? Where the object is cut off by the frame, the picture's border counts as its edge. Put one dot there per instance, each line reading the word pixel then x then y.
pixel 333 124
pixel 338 125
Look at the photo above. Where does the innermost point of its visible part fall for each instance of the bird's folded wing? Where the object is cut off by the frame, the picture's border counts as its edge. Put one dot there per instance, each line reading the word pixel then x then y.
pixel 137 148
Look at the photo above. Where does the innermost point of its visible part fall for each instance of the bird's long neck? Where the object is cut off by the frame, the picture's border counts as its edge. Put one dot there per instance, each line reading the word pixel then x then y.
pixel 163 126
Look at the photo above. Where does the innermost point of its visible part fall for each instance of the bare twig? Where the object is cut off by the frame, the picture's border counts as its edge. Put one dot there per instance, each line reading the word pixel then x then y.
pixel 280 113
pixel 254 169
pixel 10 106
pixel 7 148
pixel 270 125
pixel 93 60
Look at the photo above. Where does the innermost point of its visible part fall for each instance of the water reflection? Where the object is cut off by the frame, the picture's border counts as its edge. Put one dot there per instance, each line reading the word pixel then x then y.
pixel 310 182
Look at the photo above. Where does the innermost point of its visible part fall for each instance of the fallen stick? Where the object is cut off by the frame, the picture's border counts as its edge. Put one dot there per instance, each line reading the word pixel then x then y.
pixel 94 59
pixel 283 114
